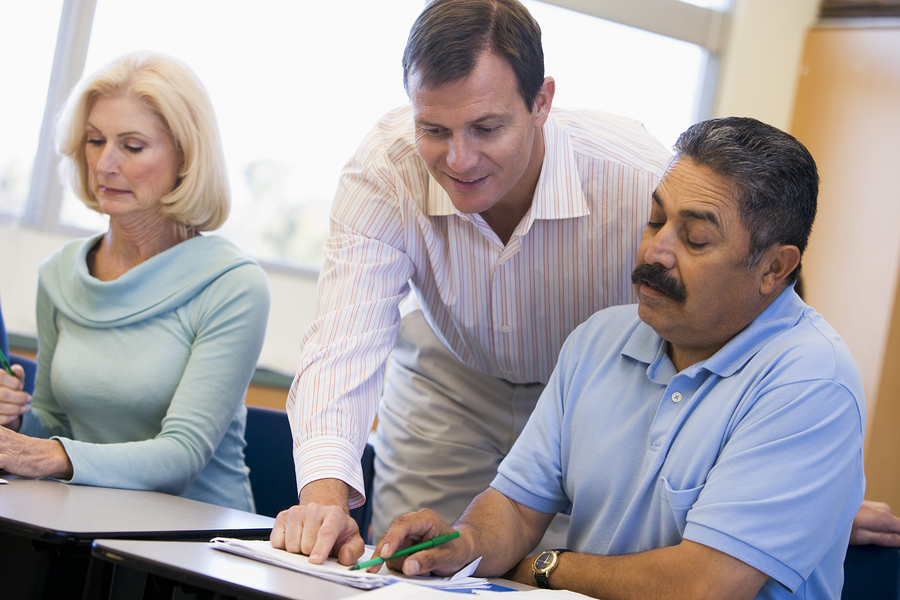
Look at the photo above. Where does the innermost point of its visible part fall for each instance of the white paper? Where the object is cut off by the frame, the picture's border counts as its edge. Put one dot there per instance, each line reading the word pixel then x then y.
pixel 332 570
pixel 405 591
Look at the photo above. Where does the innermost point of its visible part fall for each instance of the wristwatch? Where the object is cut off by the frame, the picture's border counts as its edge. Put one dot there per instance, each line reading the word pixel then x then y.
pixel 543 565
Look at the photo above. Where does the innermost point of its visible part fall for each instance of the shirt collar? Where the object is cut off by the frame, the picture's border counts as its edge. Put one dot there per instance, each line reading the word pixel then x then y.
pixel 646 346
pixel 558 194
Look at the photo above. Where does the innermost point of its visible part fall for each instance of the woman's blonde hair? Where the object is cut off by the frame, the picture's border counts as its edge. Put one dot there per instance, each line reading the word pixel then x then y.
pixel 169 88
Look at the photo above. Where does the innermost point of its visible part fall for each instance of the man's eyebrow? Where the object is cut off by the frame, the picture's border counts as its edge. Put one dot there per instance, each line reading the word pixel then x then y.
pixel 687 213
pixel 701 215
pixel 420 122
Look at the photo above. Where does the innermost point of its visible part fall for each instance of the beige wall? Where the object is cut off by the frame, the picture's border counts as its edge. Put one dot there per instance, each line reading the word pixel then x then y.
pixel 848 115
pixel 762 59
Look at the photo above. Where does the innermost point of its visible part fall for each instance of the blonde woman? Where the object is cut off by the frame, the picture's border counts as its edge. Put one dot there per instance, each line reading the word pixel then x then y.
pixel 148 333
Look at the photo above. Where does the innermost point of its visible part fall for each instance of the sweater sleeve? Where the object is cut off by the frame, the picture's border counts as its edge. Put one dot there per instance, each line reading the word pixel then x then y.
pixel 227 321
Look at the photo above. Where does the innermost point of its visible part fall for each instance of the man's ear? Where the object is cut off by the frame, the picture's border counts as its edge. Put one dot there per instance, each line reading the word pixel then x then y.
pixel 544 101
pixel 778 262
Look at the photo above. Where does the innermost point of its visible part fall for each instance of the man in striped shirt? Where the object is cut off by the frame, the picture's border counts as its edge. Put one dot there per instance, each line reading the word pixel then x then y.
pixel 511 222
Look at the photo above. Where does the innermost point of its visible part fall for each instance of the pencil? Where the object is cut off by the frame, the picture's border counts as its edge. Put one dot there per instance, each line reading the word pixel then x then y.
pixel 429 544
pixel 5 362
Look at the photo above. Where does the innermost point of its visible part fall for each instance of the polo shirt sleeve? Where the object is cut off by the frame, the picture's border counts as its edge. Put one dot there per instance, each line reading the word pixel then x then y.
pixel 531 474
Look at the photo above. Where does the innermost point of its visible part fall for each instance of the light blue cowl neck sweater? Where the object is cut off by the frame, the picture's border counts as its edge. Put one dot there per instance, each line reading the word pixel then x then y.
pixel 142 379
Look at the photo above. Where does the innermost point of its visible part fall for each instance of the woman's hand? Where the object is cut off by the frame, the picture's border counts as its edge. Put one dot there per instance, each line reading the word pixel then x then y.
pixel 13 401
pixel 33 457
pixel 875 523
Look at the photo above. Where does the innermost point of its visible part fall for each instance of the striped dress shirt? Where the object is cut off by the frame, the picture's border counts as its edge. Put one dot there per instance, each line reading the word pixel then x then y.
pixel 504 310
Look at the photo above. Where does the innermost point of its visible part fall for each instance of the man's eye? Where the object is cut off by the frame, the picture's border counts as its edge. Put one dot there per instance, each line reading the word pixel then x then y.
pixel 654 225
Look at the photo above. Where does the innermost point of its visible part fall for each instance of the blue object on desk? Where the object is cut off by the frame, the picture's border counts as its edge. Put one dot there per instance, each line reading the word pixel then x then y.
pixel 871 573
pixel 270 456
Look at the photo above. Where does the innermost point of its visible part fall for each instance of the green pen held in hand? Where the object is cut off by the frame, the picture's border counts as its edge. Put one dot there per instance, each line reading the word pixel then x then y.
pixel 5 362
pixel 424 545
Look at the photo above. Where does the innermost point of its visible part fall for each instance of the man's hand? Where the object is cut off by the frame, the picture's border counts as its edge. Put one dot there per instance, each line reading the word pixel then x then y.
pixel 320 526
pixel 13 401
pixel 875 523
pixel 413 528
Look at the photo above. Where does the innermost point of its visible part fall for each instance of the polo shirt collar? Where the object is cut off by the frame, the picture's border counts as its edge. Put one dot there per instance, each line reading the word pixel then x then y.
pixel 646 346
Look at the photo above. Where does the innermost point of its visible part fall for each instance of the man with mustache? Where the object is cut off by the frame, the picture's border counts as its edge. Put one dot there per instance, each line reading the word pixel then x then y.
pixel 707 442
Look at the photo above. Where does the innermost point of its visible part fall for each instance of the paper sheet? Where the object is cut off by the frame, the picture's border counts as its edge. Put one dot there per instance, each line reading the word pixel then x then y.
pixel 332 570
pixel 405 591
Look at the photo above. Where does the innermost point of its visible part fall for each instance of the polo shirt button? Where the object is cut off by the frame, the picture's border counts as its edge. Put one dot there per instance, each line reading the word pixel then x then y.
pixel 676 397
pixel 505 328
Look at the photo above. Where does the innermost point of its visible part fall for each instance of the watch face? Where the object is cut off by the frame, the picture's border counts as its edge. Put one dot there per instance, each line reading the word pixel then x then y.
pixel 545 561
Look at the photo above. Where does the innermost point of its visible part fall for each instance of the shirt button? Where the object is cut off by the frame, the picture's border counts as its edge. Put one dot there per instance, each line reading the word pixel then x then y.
pixel 676 397
pixel 505 328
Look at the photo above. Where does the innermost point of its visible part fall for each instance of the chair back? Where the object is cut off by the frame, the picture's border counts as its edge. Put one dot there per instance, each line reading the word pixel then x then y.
pixel 270 457
pixel 871 573
pixel 29 365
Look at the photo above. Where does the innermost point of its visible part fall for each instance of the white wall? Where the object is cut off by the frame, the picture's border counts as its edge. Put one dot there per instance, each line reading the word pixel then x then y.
pixel 762 60
pixel 758 79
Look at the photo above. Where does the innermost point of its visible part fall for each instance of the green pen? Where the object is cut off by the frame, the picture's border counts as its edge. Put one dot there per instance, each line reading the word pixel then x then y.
pixel 5 362
pixel 430 543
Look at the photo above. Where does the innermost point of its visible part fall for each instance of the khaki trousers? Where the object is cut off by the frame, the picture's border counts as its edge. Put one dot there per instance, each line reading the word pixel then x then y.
pixel 443 429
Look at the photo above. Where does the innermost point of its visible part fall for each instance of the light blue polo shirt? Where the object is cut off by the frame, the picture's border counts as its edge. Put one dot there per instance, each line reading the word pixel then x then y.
pixel 756 451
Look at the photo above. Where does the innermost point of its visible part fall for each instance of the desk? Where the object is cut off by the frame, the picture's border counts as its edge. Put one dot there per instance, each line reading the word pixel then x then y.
pixel 194 564
pixel 46 528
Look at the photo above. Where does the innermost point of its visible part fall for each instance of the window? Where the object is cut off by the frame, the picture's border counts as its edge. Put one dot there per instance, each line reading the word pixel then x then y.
pixel 296 85
pixel 611 67
pixel 27 39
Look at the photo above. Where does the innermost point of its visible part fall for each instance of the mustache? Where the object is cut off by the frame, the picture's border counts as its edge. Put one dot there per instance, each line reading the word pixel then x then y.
pixel 658 277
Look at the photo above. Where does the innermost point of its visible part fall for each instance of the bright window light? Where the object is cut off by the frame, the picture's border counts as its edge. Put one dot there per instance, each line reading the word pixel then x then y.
pixel 296 86
pixel 27 41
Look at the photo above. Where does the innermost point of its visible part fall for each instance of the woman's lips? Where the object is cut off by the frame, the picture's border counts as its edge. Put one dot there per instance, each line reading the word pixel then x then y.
pixel 109 190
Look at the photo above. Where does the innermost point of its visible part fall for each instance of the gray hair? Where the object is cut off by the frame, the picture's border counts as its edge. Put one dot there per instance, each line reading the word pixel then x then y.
pixel 773 175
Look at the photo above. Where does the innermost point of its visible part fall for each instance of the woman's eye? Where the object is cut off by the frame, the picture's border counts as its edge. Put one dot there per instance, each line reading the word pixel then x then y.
pixel 95 142
pixel 133 149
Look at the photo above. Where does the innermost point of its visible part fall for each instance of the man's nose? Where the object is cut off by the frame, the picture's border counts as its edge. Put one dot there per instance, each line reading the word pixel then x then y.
pixel 462 154
pixel 659 249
